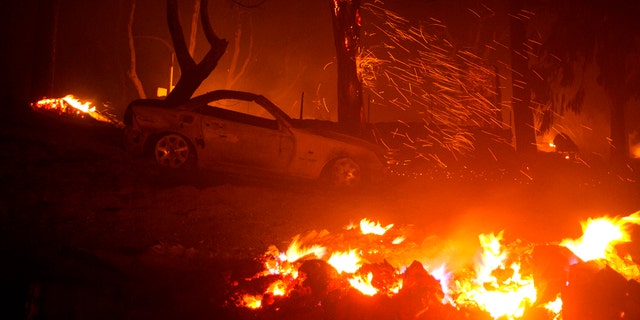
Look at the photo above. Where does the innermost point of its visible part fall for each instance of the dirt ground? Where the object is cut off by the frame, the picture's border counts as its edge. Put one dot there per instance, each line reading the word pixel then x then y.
pixel 87 232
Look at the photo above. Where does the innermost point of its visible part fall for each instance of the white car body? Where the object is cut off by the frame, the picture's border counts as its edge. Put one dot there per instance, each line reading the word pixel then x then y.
pixel 240 132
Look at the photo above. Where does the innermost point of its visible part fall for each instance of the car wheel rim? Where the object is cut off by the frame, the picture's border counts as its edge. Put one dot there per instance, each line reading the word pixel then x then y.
pixel 172 151
pixel 346 173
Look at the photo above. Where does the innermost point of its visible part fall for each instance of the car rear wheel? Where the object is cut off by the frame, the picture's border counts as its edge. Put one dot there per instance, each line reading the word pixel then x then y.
pixel 343 173
pixel 172 151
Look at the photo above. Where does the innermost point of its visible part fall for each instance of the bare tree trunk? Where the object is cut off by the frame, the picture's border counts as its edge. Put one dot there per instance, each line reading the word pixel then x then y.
pixel 235 71
pixel 346 33
pixel 133 75
pixel 43 68
pixel 192 73
pixel 521 97
pixel 194 28
pixel 619 136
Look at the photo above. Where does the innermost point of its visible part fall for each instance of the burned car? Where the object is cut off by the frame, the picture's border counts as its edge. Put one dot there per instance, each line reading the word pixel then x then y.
pixel 245 133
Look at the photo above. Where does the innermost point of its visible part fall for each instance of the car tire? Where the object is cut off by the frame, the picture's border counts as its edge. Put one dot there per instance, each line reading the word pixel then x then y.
pixel 173 151
pixel 343 173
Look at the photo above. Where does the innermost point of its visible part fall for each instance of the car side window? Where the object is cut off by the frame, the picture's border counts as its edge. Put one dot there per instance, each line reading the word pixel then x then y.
pixel 244 111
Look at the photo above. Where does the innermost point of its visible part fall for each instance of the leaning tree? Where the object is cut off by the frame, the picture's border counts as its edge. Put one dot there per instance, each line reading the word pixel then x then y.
pixel 192 72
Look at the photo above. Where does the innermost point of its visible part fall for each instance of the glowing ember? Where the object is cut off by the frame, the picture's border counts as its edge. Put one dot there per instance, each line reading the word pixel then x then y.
pixel 417 67
pixel 71 106
pixel 499 283
pixel 277 288
pixel 398 240
pixel 75 103
pixel 252 302
pixel 363 284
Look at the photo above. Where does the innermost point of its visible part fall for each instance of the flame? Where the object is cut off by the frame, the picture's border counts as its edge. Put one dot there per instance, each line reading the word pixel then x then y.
pixel 363 284
pixel 444 277
pixel 599 239
pixel 554 307
pixel 370 227
pixel 71 105
pixel 499 282
pixel 75 103
pixel 277 288
pixel 502 297
pixel 251 301
pixel 348 262
pixel 296 251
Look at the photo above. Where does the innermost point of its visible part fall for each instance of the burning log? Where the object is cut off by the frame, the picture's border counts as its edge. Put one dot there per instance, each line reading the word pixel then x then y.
pixel 421 294
pixel 595 291
pixel 550 268
pixel 321 276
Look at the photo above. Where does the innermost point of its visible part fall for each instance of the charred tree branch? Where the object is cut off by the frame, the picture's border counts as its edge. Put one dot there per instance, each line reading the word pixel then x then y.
pixel 192 73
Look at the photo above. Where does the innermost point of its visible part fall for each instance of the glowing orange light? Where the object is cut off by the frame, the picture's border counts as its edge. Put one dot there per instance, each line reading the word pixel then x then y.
pixel 73 106
pixel 398 240
pixel 635 151
pixel 599 239
pixel 348 262
pixel 495 283
pixel 363 284
pixel 370 227
pixel 554 307
pixel 251 301
pixel 84 107
pixel 501 298
pixel 277 288
pixel 296 251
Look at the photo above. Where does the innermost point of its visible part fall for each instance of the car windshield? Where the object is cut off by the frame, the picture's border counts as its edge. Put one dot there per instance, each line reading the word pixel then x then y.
pixel 242 106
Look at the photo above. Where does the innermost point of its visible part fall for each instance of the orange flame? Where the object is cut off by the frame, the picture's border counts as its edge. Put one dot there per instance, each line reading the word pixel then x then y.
pixel 73 106
pixel 251 301
pixel 554 307
pixel 296 251
pixel 501 297
pixel 599 239
pixel 370 227
pixel 363 284
pixel 495 283
pixel 348 262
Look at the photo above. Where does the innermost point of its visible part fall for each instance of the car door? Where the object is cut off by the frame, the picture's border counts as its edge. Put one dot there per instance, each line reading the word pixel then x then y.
pixel 242 133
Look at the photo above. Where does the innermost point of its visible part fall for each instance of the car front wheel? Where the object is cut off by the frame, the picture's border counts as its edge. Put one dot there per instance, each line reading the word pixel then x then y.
pixel 343 173
pixel 172 151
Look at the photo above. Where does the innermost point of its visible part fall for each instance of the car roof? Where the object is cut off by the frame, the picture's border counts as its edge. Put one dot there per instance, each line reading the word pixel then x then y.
pixel 234 94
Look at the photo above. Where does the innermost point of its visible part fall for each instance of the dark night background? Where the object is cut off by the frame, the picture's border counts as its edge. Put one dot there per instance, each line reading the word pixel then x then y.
pixel 89 232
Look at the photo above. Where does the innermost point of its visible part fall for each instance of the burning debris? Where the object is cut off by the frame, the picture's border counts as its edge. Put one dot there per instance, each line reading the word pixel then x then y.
pixel 72 108
pixel 366 272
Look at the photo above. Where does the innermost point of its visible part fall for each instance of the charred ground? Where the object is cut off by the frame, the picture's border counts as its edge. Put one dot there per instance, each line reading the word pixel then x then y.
pixel 89 232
